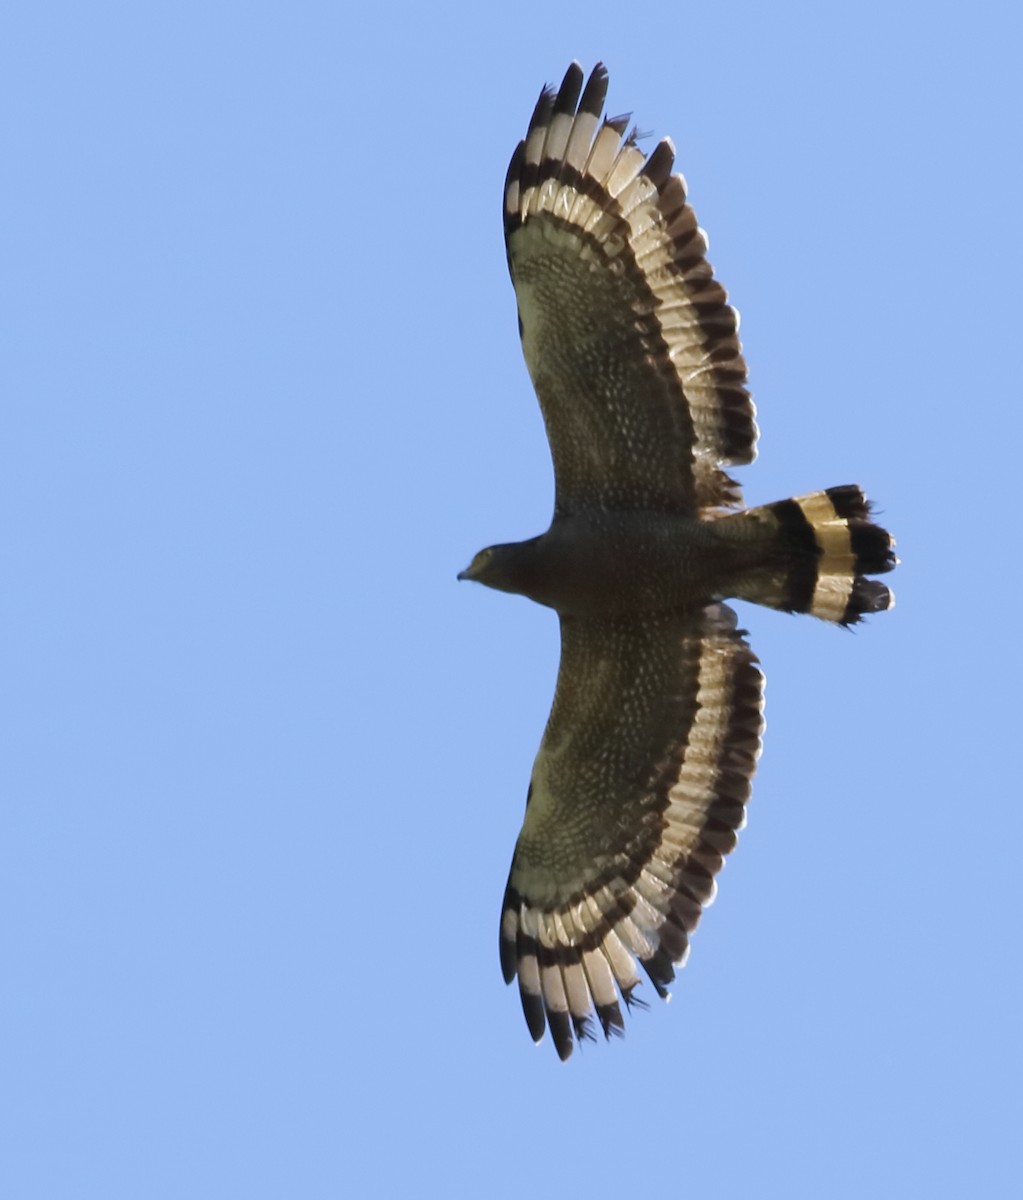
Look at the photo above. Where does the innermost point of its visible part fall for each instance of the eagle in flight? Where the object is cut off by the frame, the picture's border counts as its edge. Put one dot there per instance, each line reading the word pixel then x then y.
pixel 641 781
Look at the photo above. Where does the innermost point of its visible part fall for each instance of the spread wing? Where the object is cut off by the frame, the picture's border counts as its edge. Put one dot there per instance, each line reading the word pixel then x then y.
pixel 637 794
pixel 629 339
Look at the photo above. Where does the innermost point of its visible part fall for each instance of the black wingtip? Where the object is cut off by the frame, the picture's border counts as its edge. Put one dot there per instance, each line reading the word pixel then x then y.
pixel 612 1023
pixel 631 999
pixel 544 108
pixel 509 932
pixel 657 167
pixel 568 94
pixel 659 971
pixel 561 1033
pixel 583 1028
pixel 595 92
pixel 509 959
pixel 532 1010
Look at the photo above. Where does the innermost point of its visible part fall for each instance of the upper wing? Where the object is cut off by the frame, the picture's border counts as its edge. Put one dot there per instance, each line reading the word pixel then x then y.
pixel 637 793
pixel 629 339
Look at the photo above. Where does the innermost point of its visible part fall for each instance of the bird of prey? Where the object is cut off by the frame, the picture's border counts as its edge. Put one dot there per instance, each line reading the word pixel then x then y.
pixel 641 781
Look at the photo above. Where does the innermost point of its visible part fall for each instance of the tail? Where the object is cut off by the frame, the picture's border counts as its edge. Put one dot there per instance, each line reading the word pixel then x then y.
pixel 812 554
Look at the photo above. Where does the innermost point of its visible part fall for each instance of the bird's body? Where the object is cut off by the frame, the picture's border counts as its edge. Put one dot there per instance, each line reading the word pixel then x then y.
pixel 617 561
pixel 641 781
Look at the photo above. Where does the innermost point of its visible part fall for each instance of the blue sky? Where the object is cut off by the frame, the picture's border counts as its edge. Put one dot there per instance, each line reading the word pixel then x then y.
pixel 265 761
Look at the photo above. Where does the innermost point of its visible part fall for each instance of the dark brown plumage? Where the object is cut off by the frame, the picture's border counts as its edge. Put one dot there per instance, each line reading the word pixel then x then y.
pixel 644 771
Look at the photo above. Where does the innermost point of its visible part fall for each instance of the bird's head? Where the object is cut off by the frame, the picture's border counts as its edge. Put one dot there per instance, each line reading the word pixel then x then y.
pixel 508 567
pixel 477 569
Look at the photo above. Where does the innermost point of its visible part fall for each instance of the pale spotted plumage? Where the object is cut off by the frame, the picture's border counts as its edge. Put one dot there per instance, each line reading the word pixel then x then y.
pixel 642 778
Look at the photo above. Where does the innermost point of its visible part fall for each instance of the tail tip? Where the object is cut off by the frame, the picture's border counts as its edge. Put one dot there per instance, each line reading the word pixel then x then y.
pixel 867 596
